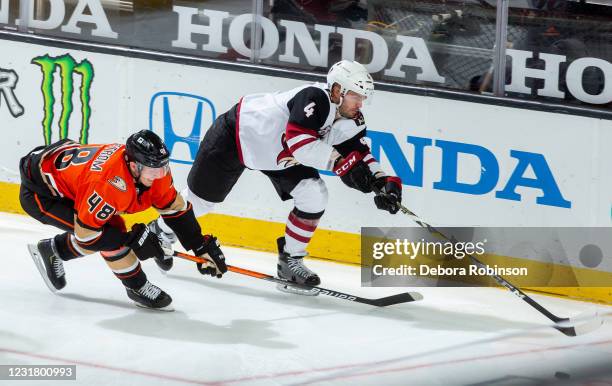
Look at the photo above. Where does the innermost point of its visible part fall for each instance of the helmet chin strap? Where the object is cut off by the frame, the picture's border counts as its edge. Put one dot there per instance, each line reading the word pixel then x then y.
pixel 339 104
pixel 139 185
pixel 138 169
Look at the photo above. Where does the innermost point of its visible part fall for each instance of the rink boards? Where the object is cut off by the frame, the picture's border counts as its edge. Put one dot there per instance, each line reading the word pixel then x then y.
pixel 462 163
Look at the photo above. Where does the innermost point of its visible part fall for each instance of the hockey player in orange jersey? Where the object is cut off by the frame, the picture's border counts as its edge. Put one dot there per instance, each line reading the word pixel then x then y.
pixel 83 189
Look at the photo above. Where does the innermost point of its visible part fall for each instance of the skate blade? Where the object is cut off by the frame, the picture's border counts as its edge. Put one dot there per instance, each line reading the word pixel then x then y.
pixel 161 270
pixel 168 308
pixel 296 290
pixel 33 249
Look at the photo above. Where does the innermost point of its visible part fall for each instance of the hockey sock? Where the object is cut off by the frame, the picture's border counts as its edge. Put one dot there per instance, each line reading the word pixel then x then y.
pixel 67 247
pixel 126 267
pixel 299 230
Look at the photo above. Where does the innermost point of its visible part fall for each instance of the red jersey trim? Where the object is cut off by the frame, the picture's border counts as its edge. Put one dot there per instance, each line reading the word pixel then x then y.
pixel 294 130
pixel 300 144
pixel 238 132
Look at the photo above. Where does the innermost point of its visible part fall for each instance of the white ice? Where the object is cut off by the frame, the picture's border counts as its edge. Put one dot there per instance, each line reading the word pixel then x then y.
pixel 242 331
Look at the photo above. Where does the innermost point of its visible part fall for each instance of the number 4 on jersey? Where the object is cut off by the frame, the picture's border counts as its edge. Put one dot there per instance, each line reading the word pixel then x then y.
pixel 309 109
pixel 104 212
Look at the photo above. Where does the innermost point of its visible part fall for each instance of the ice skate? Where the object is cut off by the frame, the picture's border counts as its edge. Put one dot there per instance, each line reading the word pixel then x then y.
pixel 49 264
pixel 150 296
pixel 292 268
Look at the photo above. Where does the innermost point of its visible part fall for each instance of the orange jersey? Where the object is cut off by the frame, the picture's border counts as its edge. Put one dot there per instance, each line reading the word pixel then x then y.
pixel 98 180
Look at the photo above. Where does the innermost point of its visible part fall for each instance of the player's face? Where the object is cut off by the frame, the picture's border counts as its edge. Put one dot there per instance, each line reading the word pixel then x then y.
pixel 351 104
pixel 148 175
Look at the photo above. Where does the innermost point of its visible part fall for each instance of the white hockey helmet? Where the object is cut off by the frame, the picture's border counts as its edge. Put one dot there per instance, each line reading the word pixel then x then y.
pixel 351 76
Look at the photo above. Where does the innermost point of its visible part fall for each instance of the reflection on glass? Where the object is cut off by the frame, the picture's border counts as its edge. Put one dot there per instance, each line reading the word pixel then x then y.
pixel 446 44
pixel 558 50
pixel 562 51
pixel 9 12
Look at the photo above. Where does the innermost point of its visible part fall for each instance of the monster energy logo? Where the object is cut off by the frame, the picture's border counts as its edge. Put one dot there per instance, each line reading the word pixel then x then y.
pixel 68 67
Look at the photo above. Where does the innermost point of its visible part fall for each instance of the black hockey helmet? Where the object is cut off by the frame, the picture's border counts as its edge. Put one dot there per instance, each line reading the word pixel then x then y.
pixel 146 148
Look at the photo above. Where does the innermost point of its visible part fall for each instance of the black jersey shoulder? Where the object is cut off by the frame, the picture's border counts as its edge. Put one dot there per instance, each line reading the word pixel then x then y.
pixel 309 108
pixel 355 143
pixel 359 119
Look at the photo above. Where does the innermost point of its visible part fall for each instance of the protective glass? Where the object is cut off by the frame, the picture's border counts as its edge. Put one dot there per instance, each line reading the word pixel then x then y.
pixel 353 97
pixel 153 173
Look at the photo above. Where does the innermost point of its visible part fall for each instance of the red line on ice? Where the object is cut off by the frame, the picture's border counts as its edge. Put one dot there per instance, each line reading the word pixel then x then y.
pixel 105 367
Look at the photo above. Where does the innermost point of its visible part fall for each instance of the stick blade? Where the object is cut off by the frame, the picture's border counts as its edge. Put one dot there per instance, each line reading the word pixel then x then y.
pixel 397 299
pixel 580 324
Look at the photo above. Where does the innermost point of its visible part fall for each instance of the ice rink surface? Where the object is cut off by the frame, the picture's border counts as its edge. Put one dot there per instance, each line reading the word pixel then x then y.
pixel 242 331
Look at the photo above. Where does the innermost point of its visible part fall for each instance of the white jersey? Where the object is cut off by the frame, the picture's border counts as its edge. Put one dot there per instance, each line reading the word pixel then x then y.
pixel 275 131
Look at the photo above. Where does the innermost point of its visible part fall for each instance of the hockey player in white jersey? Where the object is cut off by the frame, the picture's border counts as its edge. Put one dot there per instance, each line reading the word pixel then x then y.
pixel 288 136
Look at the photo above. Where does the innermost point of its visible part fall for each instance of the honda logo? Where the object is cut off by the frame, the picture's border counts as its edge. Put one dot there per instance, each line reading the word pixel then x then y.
pixel 181 120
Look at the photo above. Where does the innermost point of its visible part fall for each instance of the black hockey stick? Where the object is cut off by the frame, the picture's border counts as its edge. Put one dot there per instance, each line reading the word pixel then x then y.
pixel 578 325
pixel 379 302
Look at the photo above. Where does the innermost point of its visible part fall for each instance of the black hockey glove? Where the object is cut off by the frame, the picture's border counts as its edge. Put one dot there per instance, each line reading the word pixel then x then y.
pixel 388 193
pixel 210 250
pixel 354 172
pixel 144 243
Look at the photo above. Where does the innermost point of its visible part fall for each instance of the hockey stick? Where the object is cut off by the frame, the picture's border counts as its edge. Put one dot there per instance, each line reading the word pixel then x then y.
pixel 379 302
pixel 577 325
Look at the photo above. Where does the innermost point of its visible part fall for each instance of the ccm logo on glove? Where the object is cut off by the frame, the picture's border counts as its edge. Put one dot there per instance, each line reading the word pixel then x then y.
pixel 347 163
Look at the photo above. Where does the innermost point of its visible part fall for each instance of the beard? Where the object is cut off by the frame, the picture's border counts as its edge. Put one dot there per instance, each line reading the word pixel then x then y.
pixel 347 113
